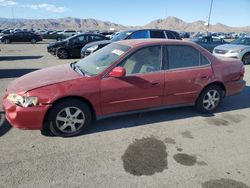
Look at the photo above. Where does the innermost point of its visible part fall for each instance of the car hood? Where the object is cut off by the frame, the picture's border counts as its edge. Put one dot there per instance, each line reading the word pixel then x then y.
pixel 231 47
pixel 43 77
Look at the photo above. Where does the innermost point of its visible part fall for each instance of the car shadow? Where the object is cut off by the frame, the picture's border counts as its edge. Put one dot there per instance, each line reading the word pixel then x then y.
pixel 13 73
pixel 232 103
pixel 4 125
pixel 15 58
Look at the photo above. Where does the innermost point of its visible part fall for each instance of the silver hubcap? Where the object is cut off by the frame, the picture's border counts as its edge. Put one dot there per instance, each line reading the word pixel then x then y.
pixel 70 120
pixel 211 100
pixel 62 53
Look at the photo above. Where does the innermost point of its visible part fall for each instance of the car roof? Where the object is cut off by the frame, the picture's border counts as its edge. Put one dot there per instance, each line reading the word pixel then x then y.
pixel 148 42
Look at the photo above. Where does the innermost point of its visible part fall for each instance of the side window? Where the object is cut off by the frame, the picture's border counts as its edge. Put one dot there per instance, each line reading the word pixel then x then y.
pixel 19 34
pixel 247 42
pixel 170 35
pixel 157 34
pixel 79 40
pixel 203 60
pixel 144 61
pixel 182 56
pixel 95 38
pixel 140 34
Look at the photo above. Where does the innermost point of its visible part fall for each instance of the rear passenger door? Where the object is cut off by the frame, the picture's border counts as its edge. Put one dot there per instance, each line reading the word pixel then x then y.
pixel 26 37
pixel 187 71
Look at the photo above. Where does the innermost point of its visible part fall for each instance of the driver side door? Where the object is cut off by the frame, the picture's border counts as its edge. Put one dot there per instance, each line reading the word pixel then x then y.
pixel 77 45
pixel 141 88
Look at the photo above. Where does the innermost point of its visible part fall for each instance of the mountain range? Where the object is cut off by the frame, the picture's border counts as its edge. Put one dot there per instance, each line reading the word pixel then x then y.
pixel 172 23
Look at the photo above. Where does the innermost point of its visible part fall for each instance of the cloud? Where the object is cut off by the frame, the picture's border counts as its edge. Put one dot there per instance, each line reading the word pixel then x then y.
pixel 7 3
pixel 47 7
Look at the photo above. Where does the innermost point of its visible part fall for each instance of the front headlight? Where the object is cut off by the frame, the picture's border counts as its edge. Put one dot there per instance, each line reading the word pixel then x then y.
pixel 93 48
pixel 237 51
pixel 23 101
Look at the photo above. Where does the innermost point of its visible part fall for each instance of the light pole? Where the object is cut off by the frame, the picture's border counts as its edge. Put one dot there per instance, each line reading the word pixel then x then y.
pixel 209 16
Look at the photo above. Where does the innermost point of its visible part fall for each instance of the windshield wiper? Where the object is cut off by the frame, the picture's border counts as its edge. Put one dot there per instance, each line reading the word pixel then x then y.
pixel 76 68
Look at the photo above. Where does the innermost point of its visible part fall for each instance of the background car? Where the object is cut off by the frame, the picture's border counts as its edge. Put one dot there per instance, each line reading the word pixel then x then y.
pixel 209 42
pixel 68 33
pixel 125 76
pixel 130 34
pixel 54 35
pixel 239 49
pixel 21 37
pixel 71 47
pixel 184 34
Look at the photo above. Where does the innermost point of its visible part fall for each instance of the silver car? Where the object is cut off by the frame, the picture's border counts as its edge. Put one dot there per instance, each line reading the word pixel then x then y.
pixel 239 48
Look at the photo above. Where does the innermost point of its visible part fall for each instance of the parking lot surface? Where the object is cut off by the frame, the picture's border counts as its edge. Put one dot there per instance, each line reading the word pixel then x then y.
pixel 167 148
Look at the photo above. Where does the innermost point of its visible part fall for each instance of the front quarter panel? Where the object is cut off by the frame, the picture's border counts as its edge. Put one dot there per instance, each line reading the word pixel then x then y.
pixel 86 88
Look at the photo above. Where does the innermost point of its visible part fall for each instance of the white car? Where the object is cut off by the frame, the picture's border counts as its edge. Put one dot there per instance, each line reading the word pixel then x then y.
pixel 68 33
pixel 239 49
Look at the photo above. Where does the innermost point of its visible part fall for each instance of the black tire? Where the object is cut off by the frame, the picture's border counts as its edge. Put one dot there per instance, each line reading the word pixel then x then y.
pixel 33 41
pixel 6 41
pixel 205 104
pixel 69 118
pixel 246 59
pixel 62 54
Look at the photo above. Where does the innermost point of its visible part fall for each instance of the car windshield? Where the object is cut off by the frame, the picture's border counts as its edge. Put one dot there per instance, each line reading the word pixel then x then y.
pixel 97 62
pixel 242 41
pixel 121 36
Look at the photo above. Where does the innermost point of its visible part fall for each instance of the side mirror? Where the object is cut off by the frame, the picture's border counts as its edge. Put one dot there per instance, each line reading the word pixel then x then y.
pixel 118 72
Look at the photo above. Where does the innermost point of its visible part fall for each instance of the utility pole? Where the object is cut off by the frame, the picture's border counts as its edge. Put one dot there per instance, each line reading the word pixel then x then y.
pixel 209 16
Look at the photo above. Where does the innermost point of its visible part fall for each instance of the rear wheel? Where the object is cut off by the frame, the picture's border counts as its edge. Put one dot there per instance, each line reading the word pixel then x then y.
pixel 209 99
pixel 246 59
pixel 69 118
pixel 33 41
pixel 62 54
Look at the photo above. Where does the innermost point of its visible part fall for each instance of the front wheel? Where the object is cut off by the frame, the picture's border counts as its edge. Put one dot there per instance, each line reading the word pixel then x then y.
pixel 6 41
pixel 209 99
pixel 69 118
pixel 62 54
pixel 246 59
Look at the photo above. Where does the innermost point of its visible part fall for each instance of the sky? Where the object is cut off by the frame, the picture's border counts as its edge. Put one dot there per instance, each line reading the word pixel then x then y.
pixel 131 12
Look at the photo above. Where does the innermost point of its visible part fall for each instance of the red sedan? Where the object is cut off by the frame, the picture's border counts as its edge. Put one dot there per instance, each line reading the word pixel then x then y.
pixel 123 77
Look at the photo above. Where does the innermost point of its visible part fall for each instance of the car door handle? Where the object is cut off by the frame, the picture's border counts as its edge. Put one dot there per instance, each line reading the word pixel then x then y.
pixel 155 83
pixel 204 77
